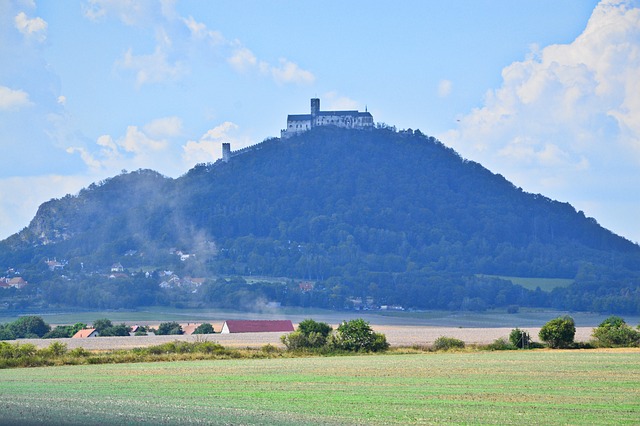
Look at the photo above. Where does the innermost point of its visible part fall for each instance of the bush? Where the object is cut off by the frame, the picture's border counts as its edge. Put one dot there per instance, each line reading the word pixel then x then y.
pixel 358 336
pixel 614 332
pixel 79 353
pixel 443 343
pixel 310 335
pixel 204 328
pixel 501 344
pixel 519 339
pixel 169 328
pixel 559 332
pixel 116 330
pixel 6 333
pixel 57 348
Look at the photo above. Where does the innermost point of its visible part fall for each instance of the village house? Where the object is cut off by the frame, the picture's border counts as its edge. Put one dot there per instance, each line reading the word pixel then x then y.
pixel 54 265
pixel 15 282
pixel 257 326
pixel 117 267
pixel 85 333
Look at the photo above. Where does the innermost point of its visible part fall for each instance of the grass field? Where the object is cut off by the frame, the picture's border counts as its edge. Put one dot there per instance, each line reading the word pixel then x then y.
pixel 545 284
pixel 523 387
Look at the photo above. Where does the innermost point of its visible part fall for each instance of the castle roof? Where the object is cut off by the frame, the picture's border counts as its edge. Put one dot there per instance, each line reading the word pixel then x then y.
pixel 305 117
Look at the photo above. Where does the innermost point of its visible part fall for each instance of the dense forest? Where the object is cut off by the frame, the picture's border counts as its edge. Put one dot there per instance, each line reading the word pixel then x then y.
pixel 331 218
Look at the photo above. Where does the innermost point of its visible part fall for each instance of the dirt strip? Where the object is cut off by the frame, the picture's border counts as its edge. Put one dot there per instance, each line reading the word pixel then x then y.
pixel 396 336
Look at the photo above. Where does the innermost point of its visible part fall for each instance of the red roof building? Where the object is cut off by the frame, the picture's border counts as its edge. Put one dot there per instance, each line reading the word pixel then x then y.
pixel 85 332
pixel 257 326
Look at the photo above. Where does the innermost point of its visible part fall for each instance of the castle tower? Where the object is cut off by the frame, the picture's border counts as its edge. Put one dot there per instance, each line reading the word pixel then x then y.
pixel 226 152
pixel 315 106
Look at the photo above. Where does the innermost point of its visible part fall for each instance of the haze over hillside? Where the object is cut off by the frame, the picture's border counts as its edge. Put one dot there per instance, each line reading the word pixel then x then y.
pixel 343 218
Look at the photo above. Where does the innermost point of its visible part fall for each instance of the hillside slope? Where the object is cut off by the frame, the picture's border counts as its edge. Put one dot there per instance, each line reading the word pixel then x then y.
pixel 396 217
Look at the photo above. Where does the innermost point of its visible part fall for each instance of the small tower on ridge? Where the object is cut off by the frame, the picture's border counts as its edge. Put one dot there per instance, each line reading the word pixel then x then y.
pixel 226 152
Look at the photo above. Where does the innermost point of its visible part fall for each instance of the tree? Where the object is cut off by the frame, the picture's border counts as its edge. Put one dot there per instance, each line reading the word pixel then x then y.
pixel 309 326
pixel 204 328
pixel 614 332
pixel 519 338
pixel 116 330
pixel 6 333
pixel 101 324
pixel 358 336
pixel 559 332
pixel 310 334
pixel 63 331
pixel 166 328
pixel 29 326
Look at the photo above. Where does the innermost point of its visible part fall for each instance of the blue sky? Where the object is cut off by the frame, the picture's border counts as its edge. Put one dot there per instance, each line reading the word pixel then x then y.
pixel 546 93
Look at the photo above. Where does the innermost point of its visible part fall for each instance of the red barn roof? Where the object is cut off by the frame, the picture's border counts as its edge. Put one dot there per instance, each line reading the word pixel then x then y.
pixel 257 326
pixel 86 332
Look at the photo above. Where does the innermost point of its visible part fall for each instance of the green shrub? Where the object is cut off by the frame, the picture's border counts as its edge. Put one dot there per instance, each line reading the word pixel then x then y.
pixel 444 343
pixel 208 347
pixel 116 330
pixel 169 328
pixel 501 344
pixel 520 339
pixel 6 333
pixel 358 336
pixel 559 332
pixel 614 332
pixel 309 335
pixel 58 348
pixel 204 328
pixel 269 349
pixel 79 353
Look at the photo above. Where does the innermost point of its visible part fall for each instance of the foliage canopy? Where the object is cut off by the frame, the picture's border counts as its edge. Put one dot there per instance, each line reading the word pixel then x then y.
pixel 559 332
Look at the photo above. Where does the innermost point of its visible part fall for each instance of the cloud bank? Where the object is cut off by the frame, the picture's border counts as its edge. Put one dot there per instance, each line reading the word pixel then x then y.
pixel 566 120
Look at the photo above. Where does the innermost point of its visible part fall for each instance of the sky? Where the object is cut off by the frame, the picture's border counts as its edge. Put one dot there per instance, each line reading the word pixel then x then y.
pixel 543 92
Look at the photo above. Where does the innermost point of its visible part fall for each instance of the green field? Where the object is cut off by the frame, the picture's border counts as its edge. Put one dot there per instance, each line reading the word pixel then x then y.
pixel 545 284
pixel 523 387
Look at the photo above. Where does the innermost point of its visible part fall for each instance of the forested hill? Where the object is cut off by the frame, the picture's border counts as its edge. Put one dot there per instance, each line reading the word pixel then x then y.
pixel 394 216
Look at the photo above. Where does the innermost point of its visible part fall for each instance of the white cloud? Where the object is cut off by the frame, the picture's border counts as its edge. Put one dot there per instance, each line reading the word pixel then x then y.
pixel 444 88
pixel 164 127
pixel 199 31
pixel 146 148
pixel 21 197
pixel 130 12
pixel 568 115
pixel 242 59
pixel 337 102
pixel 138 142
pixel 34 28
pixel 152 68
pixel 157 67
pixel 13 99
pixel 209 147
pixel 290 72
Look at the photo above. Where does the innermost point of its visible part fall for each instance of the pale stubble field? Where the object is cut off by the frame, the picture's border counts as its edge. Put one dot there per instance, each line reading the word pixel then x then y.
pixel 397 336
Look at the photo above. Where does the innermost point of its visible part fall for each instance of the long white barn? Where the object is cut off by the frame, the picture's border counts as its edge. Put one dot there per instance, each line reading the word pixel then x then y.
pixel 298 123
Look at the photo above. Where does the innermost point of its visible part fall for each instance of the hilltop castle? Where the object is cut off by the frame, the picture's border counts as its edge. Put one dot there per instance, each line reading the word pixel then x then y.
pixel 298 123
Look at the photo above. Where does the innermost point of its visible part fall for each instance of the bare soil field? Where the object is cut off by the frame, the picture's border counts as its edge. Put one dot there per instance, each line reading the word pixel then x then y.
pixel 397 336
